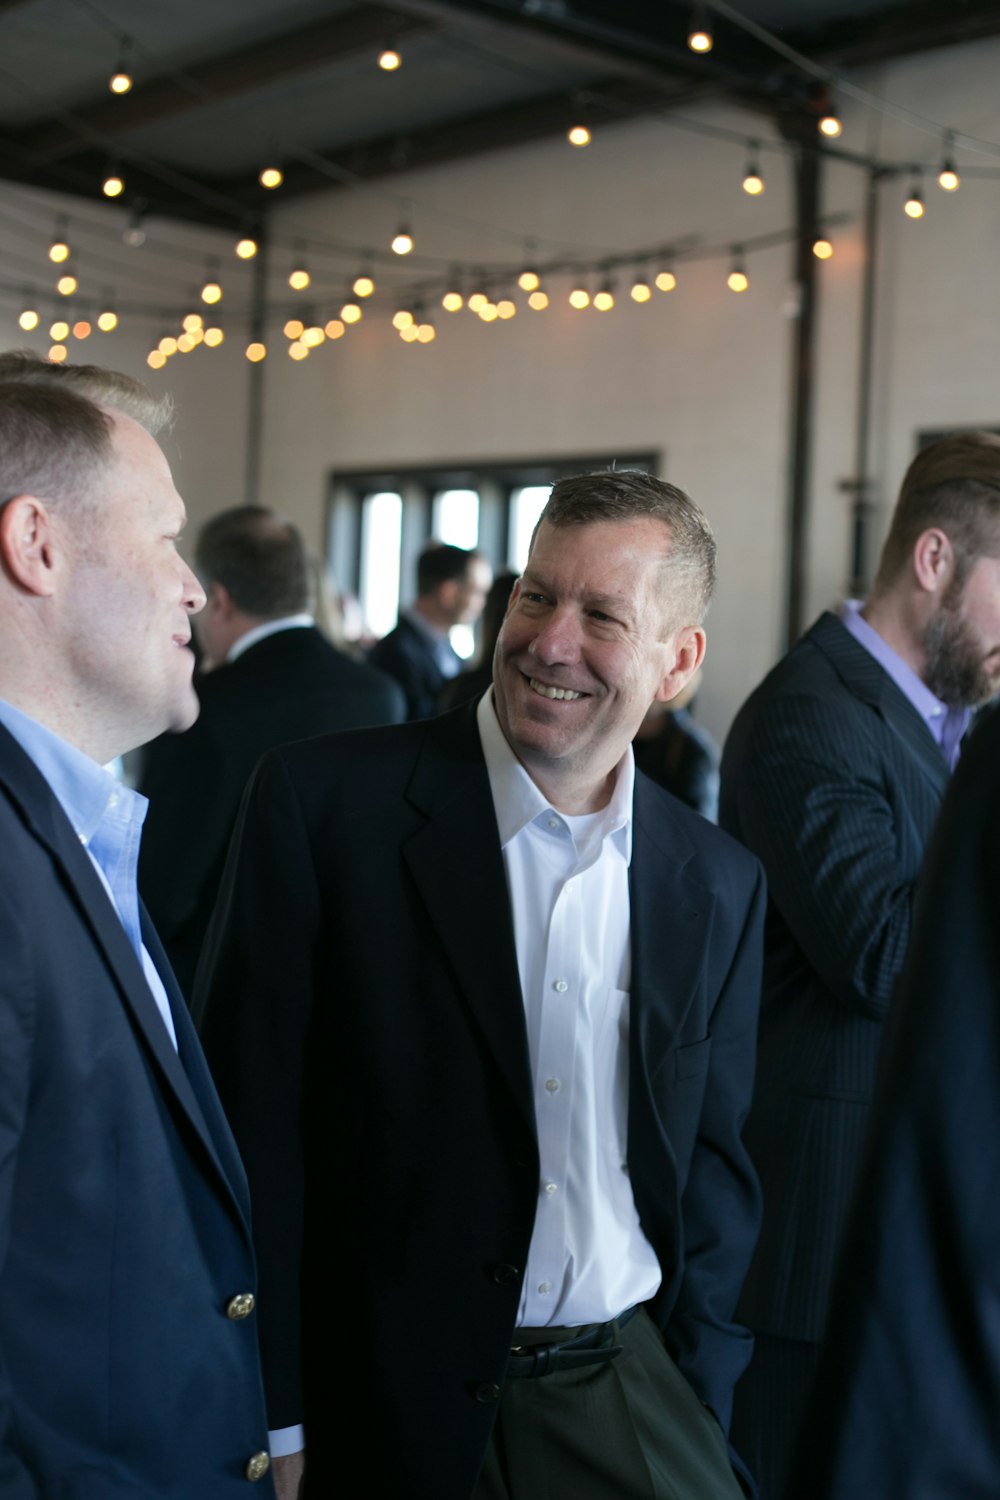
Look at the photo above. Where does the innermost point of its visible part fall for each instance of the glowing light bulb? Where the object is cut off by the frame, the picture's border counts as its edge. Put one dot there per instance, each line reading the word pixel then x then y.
pixel 410 334
pixel 426 333
pixel 58 251
pixel 364 285
pixel 155 360
pixel 640 291
pixel 822 249
pixel 214 337
pixel 604 300
pixel 299 278
pixel 211 293
pixel 298 350
pixel 477 302
pixel 737 281
pixel 350 313
pixel 82 329
pixel 28 319
pixel 914 205
pixel 452 302
pixel 120 82
pixel 168 345
pixel 529 280
pixel 294 328
pixel 402 242
pixel 193 322
pixel 185 344
pixel 830 126
pixel 256 352
pixel 271 177
pixel 578 135
pixel 666 281
pixel 113 185
pixel 246 248
pixel 506 308
pixel 313 337
pixel 579 297
pixel 488 312
pixel 107 321
pixel 66 285
pixel 389 59
pixel 401 319
pixel 59 331
pixel 948 178
pixel 334 329
pixel 753 182
pixel 538 301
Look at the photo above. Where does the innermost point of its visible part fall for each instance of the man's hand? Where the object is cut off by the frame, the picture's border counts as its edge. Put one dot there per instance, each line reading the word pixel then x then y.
pixel 288 1474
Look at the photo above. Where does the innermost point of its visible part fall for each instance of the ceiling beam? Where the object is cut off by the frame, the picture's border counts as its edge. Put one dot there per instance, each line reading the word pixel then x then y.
pixel 228 76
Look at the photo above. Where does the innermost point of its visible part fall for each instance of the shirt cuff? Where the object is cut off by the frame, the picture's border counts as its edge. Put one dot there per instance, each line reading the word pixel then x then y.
pixel 284 1441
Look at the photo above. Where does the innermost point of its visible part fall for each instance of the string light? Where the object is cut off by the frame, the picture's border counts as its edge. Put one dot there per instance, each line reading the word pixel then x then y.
pixel 753 182
pixel 134 235
pixel 948 178
pixel 214 337
pixel 256 352
pixel 699 37
pixel 822 249
pixel 193 323
pixel 402 318
pixel 298 350
pixel 121 79
pixel 402 240
pixel 578 135
pixel 28 318
pixel 155 360
pixel 410 334
pixel 506 308
pixel 197 336
pixel 82 329
pixel 298 276
pixel 350 313
pixel 294 328
pixel 59 248
pixel 334 329
pixel 114 183
pixel 389 59
pixel 426 333
pixel 453 302
pixel 185 343
pixel 478 300
pixel 167 345
pixel 665 279
pixel 270 177
pixel 364 284
pixel 914 205
pixel 539 300
pixel 738 280
pixel 67 285
pixel 313 336
pixel 604 300
pixel 59 331
pixel 211 291
pixel 640 290
pixel 579 297
pixel 246 248
pixel 107 318
pixel 830 125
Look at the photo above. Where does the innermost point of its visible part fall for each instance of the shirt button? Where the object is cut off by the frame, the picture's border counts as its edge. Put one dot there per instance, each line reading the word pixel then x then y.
pixel 240 1306
pixel 553 822
pixel 560 986
pixel 552 1085
pixel 544 1286
pixel 257 1466
pixel 551 1187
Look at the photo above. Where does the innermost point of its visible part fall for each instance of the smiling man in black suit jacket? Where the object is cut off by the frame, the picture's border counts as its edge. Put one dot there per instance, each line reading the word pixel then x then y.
pixel 832 775
pixel 274 678
pixel 487 998
pixel 128 1340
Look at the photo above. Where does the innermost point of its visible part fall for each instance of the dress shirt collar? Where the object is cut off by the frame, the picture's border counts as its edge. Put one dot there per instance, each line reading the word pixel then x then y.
pixel 947 725
pixel 269 627
pixel 517 801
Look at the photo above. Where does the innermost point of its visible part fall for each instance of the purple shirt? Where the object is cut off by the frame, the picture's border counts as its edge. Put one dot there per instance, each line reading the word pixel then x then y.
pixel 947 725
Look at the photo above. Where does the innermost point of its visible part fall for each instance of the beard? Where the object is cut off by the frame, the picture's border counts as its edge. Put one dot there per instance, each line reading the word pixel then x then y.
pixel 956 670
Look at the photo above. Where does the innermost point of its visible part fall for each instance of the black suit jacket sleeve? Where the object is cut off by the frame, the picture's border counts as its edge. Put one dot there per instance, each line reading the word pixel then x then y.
pixel 809 798
pixel 257 1050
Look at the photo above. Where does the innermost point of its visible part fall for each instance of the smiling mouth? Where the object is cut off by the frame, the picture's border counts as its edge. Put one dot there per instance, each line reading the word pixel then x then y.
pixel 543 690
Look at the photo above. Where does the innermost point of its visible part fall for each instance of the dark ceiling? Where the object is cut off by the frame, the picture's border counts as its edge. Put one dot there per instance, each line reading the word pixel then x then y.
pixel 221 88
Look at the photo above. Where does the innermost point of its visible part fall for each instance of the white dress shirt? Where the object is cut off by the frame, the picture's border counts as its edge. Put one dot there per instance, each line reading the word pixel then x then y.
pixel 568 883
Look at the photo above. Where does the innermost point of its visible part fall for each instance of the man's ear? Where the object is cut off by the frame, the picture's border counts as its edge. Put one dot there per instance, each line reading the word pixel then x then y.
pixel 687 652
pixel 27 545
pixel 933 560
pixel 218 601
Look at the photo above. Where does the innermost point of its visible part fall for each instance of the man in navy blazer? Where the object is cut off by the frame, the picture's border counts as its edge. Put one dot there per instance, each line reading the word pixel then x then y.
pixel 128 1354
pixel 493 1010
pixel 907 1393
pixel 833 774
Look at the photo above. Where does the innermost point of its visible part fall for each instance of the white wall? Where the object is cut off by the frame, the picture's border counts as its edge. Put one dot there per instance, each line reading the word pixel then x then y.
pixel 700 375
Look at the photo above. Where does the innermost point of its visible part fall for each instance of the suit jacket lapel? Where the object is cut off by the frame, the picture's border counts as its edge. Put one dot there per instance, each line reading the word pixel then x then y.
pixel 456 861
pixel 868 681
pixel 50 825
pixel 671 920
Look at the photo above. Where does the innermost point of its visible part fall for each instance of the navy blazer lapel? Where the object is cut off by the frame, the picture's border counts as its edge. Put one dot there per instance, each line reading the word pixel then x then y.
pixel 671 919
pixel 49 823
pixel 458 866
pixel 868 681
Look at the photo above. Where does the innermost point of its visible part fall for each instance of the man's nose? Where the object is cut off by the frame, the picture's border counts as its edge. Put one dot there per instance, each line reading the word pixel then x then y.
pixel 558 638
pixel 194 594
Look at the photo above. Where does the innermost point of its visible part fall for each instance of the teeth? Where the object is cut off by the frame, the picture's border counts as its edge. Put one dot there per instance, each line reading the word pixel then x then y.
pixel 553 692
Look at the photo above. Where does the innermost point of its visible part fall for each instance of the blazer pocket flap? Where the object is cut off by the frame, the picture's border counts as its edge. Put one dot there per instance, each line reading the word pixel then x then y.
pixel 692 1059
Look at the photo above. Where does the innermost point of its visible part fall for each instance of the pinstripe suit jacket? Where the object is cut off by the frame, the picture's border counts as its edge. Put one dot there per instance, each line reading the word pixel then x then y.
pixel 833 779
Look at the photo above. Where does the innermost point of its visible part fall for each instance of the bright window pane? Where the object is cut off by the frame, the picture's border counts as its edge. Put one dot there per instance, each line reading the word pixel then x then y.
pixel 381 533
pixel 456 517
pixel 526 506
pixel 463 640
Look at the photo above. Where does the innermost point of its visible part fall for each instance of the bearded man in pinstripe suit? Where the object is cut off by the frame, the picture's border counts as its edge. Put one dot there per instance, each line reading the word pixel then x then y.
pixel 832 775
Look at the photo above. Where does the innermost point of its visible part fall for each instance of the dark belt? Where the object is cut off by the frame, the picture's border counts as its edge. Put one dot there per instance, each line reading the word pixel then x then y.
pixel 593 1344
